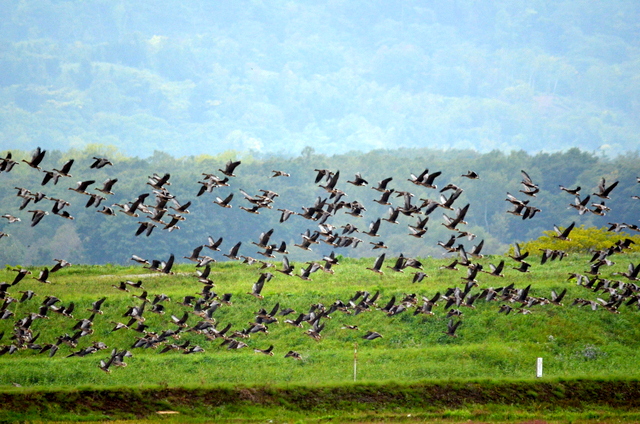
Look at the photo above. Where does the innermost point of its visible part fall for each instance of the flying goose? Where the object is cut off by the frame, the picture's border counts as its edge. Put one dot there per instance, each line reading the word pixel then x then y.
pixel 604 190
pixel 230 168
pixel 36 158
pixel 377 265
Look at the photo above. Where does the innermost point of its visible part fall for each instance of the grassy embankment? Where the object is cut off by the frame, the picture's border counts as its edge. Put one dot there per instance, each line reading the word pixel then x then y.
pixel 575 342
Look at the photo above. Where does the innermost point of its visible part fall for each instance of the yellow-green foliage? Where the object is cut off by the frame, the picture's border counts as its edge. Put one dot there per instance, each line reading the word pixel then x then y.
pixel 581 240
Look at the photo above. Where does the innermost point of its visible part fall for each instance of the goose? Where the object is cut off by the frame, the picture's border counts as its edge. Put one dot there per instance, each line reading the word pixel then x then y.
pixel 418 179
pixel 136 204
pixel 428 179
pixel 42 276
pixel 100 163
pixel 230 168
pixel 305 273
pixel 604 190
pixel 145 227
pixel 398 266
pixel 314 331
pixel 157 182
pixel 280 174
pixel 517 255
pixel 372 335
pixel 257 287
pixel 374 226
pixel 580 205
pixel 287 269
pixel 37 216
pixel 213 244
pixel 496 270
pixel 203 277
pixel 382 185
pixel 11 218
pixel 563 235
pixel 81 186
pixel 417 233
pixel 378 245
pixel 452 223
pixel 475 251
pixel 285 214
pixel 36 157
pixel 293 354
pixel 599 209
pixel 233 252
pixel 268 351
pixel 331 183
pixel 61 263
pixel 263 240
pixel 452 327
pixel 358 181
pixel 471 175
pixel 418 277
pixel 384 198
pixel 26 295
pixel 378 264
pixel 7 163
pixel 556 299
pixel 107 185
pixel 574 191
pixel 224 203
pixel 94 200
pixel 524 267
pixel 449 244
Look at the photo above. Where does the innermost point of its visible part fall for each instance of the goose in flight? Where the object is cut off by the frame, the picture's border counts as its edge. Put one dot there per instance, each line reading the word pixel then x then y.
pixel 36 157
pixel 564 235
pixel 224 203
pixel 377 265
pixel 452 327
pixel 107 186
pixel 372 335
pixel 213 244
pixel 604 190
pixel 256 289
pixel 100 163
pixel 37 216
pixel 7 163
pixel 358 180
pixel 382 185
pixel 280 174
pixel 233 252
pixel 230 168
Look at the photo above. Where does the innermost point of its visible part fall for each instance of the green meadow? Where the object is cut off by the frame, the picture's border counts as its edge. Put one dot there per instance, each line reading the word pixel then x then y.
pixel 576 343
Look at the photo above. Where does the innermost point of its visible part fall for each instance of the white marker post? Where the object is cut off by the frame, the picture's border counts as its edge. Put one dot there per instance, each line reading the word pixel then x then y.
pixel 539 368
pixel 355 361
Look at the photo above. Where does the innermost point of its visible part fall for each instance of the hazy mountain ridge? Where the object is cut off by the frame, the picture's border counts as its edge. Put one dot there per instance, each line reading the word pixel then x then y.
pixel 201 78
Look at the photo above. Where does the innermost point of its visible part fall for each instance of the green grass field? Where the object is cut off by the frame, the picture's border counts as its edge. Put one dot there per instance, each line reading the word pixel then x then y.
pixel 574 342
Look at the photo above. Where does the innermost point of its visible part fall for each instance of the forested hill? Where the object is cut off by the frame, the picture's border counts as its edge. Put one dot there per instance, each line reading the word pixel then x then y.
pixel 87 236
pixel 202 77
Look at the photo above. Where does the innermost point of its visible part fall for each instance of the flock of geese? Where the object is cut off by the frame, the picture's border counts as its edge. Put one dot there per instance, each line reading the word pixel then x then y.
pixel 161 209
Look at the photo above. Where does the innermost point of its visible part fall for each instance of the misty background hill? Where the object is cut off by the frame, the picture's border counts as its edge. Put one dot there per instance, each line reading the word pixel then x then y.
pixel 274 78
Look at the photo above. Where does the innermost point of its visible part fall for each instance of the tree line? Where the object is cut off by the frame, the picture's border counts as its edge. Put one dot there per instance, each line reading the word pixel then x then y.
pixel 95 238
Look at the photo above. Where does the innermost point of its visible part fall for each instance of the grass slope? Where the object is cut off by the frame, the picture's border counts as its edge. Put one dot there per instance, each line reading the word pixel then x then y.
pixel 575 342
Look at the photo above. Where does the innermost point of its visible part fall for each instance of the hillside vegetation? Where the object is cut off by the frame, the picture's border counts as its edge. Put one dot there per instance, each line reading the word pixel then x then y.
pixel 280 76
pixel 93 238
